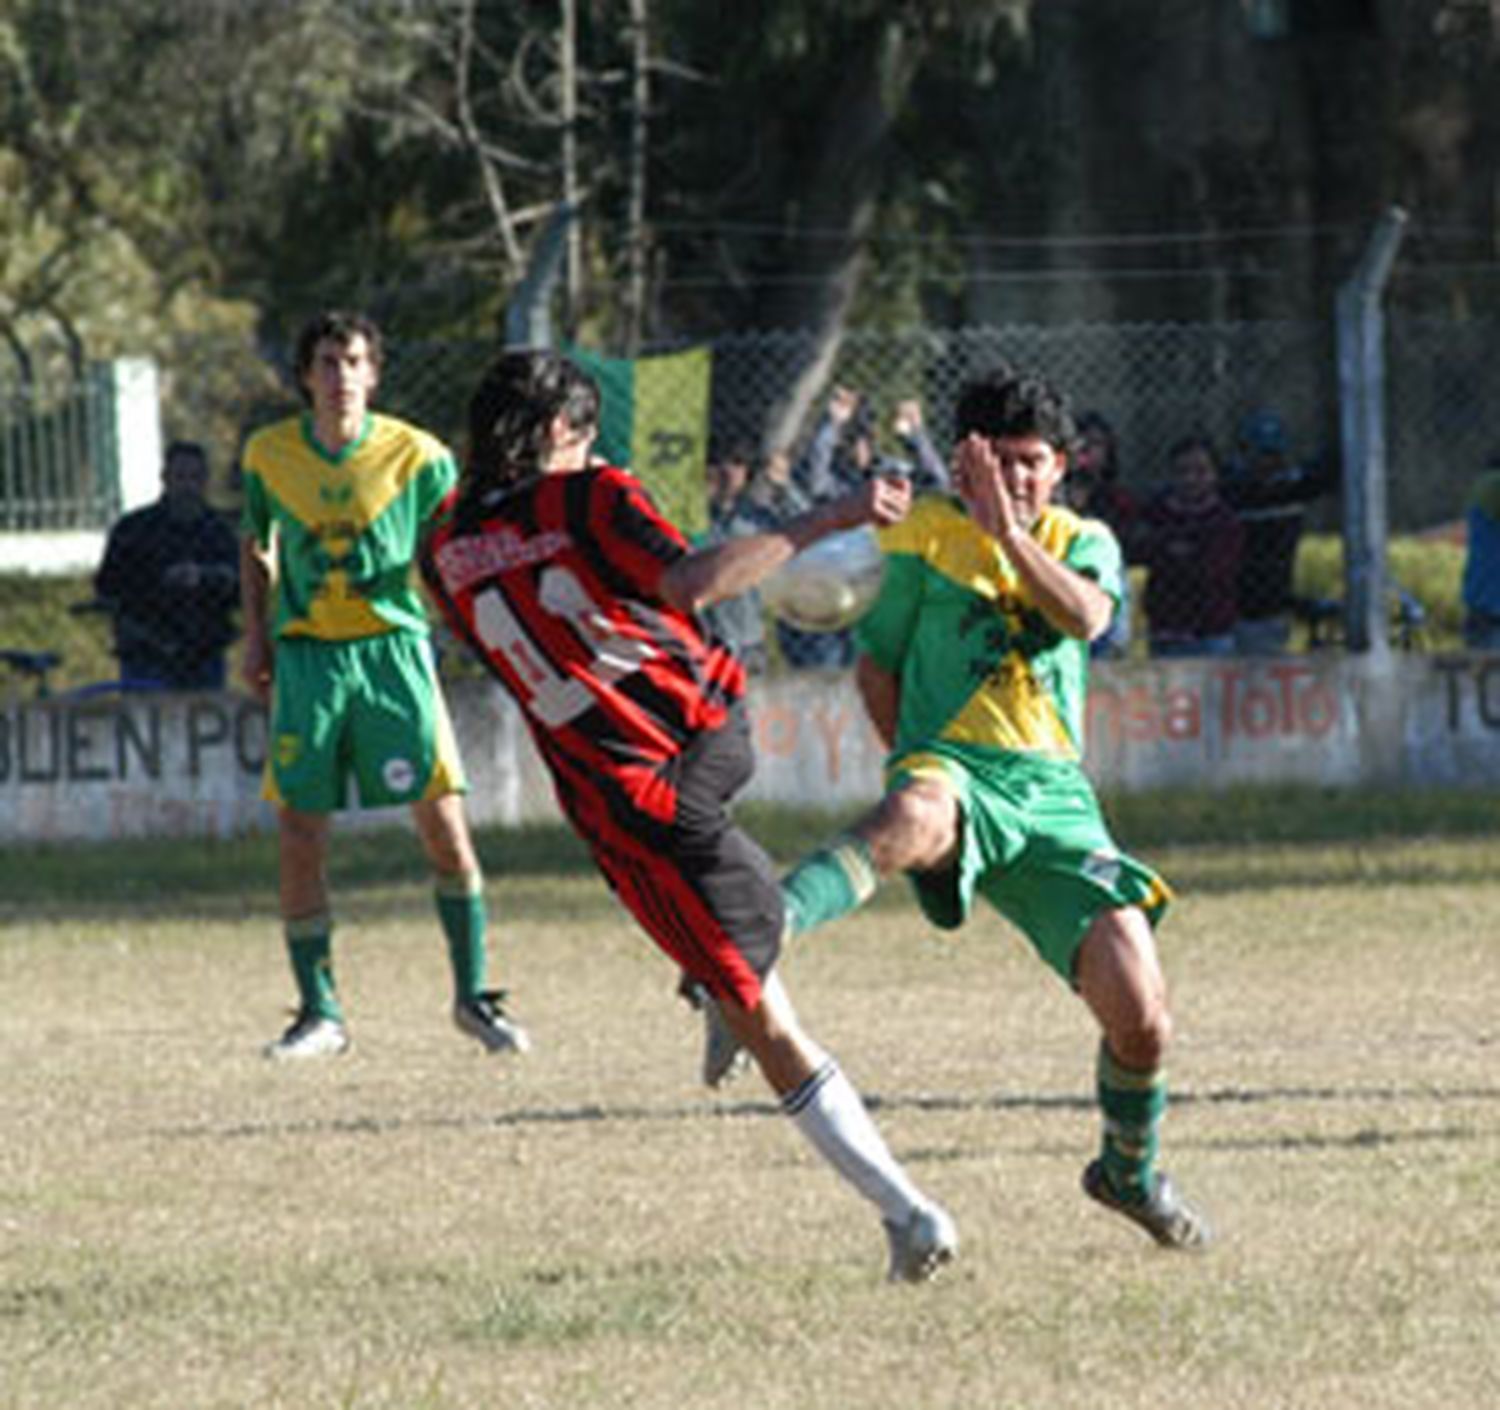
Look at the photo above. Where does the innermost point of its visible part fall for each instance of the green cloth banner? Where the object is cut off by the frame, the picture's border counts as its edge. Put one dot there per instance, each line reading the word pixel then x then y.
pixel 655 423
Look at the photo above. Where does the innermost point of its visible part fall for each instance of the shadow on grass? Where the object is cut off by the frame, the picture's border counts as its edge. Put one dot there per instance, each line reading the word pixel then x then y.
pixel 1342 837
pixel 193 875
pixel 603 1114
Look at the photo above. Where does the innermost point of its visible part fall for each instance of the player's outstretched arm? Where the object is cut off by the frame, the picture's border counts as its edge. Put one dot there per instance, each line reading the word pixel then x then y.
pixel 698 580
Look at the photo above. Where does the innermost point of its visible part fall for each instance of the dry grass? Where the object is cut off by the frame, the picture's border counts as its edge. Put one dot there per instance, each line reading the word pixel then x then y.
pixel 415 1226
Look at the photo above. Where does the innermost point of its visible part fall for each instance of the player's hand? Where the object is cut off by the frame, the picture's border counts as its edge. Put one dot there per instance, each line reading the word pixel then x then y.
pixel 907 422
pixel 882 499
pixel 981 483
pixel 842 404
pixel 256 665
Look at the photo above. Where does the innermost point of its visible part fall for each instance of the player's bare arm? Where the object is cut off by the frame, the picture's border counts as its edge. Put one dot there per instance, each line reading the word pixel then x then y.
pixel 880 692
pixel 255 596
pixel 1006 486
pixel 725 570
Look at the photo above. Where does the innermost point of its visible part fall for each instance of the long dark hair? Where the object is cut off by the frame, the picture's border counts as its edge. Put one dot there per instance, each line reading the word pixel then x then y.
pixel 510 419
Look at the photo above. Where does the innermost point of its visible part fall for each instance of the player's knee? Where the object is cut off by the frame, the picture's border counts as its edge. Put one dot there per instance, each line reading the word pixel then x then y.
pixel 913 828
pixel 1141 1039
pixel 302 831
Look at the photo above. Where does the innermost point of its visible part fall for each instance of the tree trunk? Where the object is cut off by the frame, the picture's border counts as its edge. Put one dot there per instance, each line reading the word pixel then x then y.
pixel 835 208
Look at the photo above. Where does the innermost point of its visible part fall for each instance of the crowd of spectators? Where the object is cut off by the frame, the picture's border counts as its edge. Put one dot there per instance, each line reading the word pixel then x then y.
pixel 1213 542
pixel 1216 538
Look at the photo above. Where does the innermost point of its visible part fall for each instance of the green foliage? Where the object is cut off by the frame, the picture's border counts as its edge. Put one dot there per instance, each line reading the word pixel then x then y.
pixel 1430 570
pixel 36 615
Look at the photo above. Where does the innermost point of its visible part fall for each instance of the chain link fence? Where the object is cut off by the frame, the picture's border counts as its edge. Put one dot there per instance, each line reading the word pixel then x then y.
pixel 1154 383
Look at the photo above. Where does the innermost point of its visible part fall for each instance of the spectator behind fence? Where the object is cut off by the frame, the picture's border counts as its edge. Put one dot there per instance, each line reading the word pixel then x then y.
pixel 170 580
pixel 737 621
pixel 1092 488
pixel 922 465
pixel 1481 582
pixel 1270 492
pixel 1191 542
pixel 841 453
pixel 774 495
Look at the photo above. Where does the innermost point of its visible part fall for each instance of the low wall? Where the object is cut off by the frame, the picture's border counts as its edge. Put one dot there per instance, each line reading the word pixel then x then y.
pixel 190 765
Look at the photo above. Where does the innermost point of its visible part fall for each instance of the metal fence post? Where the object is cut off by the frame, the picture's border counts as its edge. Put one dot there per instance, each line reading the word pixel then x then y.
pixel 528 316
pixel 1360 332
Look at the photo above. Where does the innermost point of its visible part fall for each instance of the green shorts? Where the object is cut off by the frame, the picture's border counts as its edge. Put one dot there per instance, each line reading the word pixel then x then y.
pixel 1033 843
pixel 368 710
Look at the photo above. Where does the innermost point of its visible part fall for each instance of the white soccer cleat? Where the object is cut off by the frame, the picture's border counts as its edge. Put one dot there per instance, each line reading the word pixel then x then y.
pixel 923 1244
pixel 484 1019
pixel 310 1035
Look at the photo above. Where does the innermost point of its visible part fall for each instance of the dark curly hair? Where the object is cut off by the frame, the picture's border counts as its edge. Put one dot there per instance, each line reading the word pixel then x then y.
pixel 1009 403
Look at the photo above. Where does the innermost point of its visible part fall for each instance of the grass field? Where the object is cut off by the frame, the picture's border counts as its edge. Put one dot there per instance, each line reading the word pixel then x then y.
pixel 413 1225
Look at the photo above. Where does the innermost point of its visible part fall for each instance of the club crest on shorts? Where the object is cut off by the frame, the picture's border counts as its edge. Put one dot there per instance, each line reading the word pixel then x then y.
pixel 398 775
pixel 1103 867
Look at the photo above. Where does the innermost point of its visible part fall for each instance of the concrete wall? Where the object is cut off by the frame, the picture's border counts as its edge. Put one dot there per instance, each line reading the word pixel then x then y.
pixel 190 765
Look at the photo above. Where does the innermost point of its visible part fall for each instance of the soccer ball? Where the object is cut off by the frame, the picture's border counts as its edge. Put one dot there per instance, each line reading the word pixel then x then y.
pixel 830 585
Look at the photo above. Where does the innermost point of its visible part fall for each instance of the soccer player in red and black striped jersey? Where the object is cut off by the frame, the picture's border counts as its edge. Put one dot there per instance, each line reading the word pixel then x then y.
pixel 581 599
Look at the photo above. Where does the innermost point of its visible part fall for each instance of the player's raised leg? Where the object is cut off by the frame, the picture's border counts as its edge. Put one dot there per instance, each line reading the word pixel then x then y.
pixel 914 825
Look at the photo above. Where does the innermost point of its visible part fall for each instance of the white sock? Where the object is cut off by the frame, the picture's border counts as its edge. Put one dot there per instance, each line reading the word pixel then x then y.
pixel 832 1115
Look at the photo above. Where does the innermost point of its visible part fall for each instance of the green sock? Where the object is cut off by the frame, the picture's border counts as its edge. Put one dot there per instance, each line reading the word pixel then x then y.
pixel 1133 1104
pixel 460 907
pixel 828 884
pixel 309 945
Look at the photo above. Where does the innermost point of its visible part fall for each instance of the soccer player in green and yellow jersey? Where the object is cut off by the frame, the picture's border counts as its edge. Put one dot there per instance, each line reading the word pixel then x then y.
pixel 973 669
pixel 336 639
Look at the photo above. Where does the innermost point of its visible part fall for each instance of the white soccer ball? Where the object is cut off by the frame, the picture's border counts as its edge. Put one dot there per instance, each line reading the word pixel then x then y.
pixel 830 585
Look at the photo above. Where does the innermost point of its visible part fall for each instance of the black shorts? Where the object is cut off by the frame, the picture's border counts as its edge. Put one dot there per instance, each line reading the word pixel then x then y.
pixel 702 888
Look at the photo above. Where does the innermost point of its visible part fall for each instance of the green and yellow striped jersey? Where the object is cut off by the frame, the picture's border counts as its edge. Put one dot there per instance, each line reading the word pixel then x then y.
pixel 977 661
pixel 347 526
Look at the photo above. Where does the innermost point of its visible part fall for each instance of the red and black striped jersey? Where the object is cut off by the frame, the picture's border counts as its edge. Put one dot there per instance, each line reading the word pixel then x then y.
pixel 555 586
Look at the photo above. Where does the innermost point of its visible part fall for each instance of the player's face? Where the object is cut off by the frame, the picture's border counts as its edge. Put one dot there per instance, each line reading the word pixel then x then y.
pixel 1030 468
pixel 341 378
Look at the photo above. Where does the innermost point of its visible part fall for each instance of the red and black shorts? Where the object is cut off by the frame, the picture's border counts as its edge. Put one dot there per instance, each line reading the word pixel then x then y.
pixel 702 888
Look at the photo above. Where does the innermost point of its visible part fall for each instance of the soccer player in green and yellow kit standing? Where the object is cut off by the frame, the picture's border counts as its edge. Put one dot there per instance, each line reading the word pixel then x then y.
pixel 973 670
pixel 336 638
